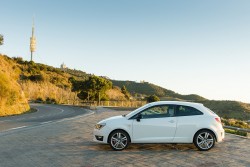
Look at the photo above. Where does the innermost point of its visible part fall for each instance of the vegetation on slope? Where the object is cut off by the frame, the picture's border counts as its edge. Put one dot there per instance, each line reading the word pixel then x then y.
pixel 46 83
pixel 12 98
pixel 147 89
pixel 116 94
pixel 1 39
pixel 229 109
pixel 94 88
pixel 226 109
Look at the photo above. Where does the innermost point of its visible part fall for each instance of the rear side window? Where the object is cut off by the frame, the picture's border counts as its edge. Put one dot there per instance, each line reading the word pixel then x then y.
pixel 187 111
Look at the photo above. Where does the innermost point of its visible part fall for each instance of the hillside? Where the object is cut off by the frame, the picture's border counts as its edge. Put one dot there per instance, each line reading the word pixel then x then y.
pixel 21 81
pixel 12 98
pixel 229 109
pixel 146 88
pixel 226 109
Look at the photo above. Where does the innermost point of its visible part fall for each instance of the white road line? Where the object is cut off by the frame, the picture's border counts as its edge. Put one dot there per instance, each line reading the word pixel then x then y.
pixel 5 121
pixel 18 127
pixel 62 110
pixel 19 119
pixel 43 116
pixel 45 123
pixel 67 119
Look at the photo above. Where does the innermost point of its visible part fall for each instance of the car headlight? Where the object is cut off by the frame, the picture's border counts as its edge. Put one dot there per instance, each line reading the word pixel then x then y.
pixel 100 126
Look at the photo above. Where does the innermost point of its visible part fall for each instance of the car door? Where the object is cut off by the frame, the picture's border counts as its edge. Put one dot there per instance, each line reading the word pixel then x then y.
pixel 188 119
pixel 156 124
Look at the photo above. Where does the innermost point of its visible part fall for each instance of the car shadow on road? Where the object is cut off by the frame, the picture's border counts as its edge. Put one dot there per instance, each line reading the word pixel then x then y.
pixel 145 147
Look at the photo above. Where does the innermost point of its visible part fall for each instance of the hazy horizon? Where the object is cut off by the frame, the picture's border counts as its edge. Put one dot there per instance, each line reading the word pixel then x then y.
pixel 190 47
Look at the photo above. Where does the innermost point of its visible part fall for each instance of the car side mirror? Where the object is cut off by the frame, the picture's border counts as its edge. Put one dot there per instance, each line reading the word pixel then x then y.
pixel 138 118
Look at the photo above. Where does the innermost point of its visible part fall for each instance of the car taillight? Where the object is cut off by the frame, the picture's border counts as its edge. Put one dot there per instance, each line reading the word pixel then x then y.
pixel 218 119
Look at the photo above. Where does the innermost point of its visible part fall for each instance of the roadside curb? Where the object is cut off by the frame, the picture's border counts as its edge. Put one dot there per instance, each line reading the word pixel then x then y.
pixel 244 137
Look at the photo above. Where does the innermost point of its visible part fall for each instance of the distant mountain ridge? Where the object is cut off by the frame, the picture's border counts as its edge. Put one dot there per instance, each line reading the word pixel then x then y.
pixel 147 88
pixel 225 108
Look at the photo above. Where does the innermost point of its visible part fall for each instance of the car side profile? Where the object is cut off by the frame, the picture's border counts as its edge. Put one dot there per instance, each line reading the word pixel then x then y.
pixel 162 122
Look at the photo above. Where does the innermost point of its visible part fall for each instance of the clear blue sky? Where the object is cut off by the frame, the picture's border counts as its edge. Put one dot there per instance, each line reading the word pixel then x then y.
pixel 189 46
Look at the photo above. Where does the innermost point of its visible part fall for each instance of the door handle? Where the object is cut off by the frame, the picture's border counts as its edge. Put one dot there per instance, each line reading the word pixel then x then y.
pixel 171 121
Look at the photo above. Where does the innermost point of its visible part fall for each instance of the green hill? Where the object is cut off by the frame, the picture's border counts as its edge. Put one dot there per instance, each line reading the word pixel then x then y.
pixel 146 88
pixel 229 109
pixel 226 109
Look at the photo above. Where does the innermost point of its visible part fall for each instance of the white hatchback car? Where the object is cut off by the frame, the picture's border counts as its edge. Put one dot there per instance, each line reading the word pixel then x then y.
pixel 162 122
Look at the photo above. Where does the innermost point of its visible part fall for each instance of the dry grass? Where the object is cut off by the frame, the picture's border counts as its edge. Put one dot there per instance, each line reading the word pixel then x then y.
pixel 12 98
pixel 43 90
pixel 115 94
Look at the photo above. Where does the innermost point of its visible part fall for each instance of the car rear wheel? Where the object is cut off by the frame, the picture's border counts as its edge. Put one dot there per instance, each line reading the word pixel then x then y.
pixel 118 140
pixel 204 140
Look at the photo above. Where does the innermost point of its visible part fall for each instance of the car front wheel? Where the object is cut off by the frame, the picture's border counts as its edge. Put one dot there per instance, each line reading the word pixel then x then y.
pixel 204 140
pixel 118 140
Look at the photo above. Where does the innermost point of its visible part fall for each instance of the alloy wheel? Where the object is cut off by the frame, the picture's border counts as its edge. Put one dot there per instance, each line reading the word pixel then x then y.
pixel 119 140
pixel 204 140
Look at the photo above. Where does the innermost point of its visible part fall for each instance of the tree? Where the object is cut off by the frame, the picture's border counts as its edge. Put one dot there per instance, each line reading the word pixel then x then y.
pixel 92 88
pixel 76 85
pixel 1 39
pixel 125 92
pixel 152 98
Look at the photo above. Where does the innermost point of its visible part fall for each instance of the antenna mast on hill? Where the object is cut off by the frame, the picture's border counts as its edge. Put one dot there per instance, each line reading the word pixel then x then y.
pixel 32 41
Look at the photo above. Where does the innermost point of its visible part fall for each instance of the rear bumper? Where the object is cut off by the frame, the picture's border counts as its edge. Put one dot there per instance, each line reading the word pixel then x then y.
pixel 220 135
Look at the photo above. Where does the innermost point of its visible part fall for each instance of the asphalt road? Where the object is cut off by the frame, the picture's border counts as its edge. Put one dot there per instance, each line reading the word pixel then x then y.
pixel 45 113
pixel 66 141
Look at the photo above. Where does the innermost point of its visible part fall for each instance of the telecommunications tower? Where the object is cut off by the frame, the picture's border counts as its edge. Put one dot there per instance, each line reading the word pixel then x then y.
pixel 32 41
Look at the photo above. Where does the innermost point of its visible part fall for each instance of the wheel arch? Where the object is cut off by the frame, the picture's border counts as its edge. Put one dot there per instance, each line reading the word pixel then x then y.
pixel 207 130
pixel 116 130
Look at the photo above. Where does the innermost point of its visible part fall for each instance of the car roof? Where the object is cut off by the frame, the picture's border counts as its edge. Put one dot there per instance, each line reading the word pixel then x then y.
pixel 177 103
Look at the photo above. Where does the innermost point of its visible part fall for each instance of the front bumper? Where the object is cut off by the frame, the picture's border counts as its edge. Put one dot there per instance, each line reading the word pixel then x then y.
pixel 100 136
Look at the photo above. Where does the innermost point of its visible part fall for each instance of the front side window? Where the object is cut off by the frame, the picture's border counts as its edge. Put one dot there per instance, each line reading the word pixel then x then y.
pixel 158 112
pixel 187 111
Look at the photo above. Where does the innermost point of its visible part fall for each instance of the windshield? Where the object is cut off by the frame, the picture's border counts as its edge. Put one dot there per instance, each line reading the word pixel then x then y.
pixel 135 111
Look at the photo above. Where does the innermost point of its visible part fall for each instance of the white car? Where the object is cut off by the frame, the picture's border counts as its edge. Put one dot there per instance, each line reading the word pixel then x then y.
pixel 162 122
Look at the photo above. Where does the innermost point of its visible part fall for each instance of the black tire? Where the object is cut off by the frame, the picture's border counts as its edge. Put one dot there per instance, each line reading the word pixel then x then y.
pixel 204 140
pixel 119 140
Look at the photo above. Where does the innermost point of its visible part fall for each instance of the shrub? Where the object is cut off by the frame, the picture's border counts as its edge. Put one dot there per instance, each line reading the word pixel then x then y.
pixel 19 60
pixel 236 123
pixel 236 132
pixel 152 98
pixel 39 100
pixel 37 78
pixel 51 101
pixel 13 96
pixel 4 85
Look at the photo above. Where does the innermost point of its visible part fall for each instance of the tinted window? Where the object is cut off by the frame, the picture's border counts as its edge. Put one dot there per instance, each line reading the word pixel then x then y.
pixel 158 112
pixel 187 111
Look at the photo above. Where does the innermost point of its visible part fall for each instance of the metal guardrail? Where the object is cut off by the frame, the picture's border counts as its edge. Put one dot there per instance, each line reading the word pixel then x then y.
pixel 238 129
